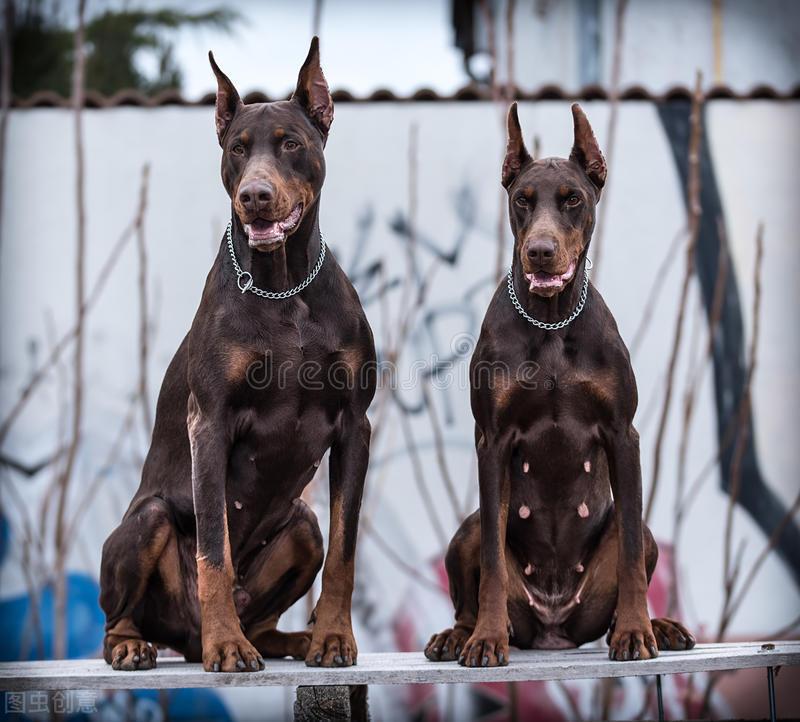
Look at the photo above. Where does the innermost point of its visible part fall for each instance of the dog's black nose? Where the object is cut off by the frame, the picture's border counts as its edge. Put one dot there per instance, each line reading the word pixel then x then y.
pixel 541 251
pixel 256 195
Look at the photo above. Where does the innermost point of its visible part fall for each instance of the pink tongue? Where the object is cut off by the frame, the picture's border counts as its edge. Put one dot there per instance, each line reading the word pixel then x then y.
pixel 261 230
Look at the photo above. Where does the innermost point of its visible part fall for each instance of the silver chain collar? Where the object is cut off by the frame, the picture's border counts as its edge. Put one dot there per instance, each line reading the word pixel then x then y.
pixel 275 295
pixel 560 324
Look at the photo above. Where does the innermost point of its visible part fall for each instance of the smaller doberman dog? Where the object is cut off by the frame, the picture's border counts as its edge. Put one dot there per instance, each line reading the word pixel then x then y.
pixel 557 554
pixel 217 543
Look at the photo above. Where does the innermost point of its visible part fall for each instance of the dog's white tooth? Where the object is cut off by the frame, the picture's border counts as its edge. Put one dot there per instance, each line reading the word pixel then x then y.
pixel 579 568
pixel 524 512
pixel 528 570
pixel 587 466
pixel 263 542
pixel 577 599
pixel 526 467
pixel 237 504
pixel 583 510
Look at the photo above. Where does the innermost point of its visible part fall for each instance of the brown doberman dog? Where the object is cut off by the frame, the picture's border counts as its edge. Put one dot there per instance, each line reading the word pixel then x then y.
pixel 216 543
pixel 557 553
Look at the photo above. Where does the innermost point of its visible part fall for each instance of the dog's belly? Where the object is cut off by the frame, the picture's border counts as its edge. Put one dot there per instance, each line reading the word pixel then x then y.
pixel 559 501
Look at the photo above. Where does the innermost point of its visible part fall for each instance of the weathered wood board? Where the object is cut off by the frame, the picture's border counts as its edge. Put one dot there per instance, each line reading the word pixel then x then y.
pixel 395 668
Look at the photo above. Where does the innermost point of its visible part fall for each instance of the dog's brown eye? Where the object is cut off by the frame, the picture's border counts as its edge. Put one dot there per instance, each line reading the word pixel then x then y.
pixel 521 201
pixel 291 145
pixel 573 200
pixel 238 149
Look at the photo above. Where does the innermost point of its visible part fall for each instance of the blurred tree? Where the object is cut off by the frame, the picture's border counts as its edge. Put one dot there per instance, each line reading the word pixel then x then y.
pixel 42 47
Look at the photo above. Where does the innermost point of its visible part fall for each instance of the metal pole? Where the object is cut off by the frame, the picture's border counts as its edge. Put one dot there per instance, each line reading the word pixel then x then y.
pixel 660 699
pixel 773 715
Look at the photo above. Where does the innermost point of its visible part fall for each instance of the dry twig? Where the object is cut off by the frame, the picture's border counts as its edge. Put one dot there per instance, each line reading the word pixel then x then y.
pixel 60 591
pixel 63 343
pixel 616 76
pixel 693 203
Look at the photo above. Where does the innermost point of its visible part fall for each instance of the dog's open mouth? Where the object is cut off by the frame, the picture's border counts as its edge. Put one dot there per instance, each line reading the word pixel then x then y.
pixel 542 280
pixel 266 235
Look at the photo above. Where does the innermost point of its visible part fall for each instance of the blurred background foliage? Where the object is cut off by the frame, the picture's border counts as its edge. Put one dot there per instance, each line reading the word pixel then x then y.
pixel 43 47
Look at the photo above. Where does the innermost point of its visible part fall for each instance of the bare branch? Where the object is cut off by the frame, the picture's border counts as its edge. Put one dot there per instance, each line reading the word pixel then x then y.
pixel 655 291
pixel 616 76
pixel 693 203
pixel 60 592
pixel 744 411
pixel 144 336
pixel 63 343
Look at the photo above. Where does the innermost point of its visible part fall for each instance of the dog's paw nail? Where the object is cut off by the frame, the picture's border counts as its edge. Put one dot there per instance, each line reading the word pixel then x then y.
pixel 254 664
pixel 501 658
pixel 635 653
pixel 318 659
pixel 240 664
pixel 485 661
pixel 458 651
pixel 216 666
pixel 338 660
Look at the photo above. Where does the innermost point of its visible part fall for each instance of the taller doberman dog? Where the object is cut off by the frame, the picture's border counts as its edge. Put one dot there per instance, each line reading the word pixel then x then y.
pixel 557 553
pixel 216 543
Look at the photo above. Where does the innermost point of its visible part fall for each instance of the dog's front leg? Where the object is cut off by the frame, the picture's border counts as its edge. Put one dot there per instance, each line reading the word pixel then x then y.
pixel 488 645
pixel 632 637
pixel 225 647
pixel 332 640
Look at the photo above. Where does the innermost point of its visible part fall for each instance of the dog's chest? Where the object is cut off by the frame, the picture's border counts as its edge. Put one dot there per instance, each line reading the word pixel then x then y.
pixel 558 413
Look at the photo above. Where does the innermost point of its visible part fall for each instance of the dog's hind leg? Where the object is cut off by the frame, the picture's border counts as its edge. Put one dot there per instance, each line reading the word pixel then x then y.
pixel 463 571
pixel 278 576
pixel 138 547
pixel 598 596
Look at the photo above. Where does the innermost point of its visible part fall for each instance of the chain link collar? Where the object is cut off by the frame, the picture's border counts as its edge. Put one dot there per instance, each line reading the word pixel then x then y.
pixel 247 285
pixel 560 324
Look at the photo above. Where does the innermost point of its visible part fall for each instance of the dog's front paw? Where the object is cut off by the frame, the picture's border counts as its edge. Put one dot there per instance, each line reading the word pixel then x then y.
pixel 632 641
pixel 231 653
pixel 133 654
pixel 447 645
pixel 672 635
pixel 485 648
pixel 332 648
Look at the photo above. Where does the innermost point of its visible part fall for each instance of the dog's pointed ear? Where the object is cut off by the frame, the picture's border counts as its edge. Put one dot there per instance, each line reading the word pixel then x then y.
pixel 516 153
pixel 228 100
pixel 312 91
pixel 585 150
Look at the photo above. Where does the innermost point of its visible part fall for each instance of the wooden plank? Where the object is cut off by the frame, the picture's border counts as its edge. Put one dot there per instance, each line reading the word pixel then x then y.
pixel 396 668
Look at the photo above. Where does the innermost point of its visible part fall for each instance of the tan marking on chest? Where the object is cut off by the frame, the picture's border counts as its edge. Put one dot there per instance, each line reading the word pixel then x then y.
pixel 503 391
pixel 600 385
pixel 237 363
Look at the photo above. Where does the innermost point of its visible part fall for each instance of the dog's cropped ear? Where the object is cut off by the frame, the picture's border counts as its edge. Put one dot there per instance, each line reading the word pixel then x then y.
pixel 312 91
pixel 516 153
pixel 585 150
pixel 228 100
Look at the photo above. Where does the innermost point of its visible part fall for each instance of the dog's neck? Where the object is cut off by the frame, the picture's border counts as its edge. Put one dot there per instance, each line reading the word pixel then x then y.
pixel 287 266
pixel 556 308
